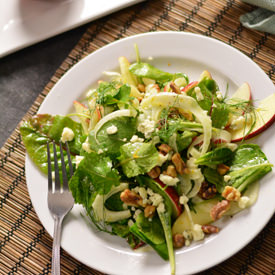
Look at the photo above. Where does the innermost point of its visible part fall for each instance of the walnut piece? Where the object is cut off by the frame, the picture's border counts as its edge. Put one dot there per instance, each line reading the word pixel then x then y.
pixel 222 169
pixel 164 148
pixel 207 191
pixel 175 88
pixel 154 173
pixel 231 194
pixel 170 171
pixel 178 240
pixel 141 88
pixel 219 209
pixel 210 229
pixel 149 211
pixel 131 198
pixel 179 163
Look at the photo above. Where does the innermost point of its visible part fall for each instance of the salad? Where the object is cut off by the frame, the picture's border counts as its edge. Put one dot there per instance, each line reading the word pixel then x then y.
pixel 156 158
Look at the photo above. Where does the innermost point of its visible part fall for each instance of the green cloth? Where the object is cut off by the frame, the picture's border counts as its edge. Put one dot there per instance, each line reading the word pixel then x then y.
pixel 263 18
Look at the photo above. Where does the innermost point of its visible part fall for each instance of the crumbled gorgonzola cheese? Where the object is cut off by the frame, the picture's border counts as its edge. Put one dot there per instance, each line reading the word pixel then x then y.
pixel 156 199
pixel 111 130
pixel 199 94
pixel 197 232
pixel 86 146
pixel 146 126
pixel 67 135
pixel 161 207
pixel 237 123
pixel 135 138
pixel 78 159
pixel 162 159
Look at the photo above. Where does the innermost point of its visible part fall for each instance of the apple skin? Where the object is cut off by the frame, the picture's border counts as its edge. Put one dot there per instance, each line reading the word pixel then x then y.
pixel 190 86
pixel 243 92
pixel 173 195
pixel 265 116
pixel 257 131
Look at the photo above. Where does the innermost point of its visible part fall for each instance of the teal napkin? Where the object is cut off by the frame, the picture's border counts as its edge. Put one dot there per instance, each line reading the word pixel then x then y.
pixel 263 18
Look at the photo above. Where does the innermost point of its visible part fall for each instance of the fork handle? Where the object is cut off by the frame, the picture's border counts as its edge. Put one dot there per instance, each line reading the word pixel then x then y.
pixel 56 245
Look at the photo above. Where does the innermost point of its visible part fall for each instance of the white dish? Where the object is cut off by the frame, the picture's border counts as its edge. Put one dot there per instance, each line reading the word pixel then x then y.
pixel 185 52
pixel 25 22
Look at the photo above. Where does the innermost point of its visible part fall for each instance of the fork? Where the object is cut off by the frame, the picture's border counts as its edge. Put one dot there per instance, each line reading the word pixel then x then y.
pixel 60 200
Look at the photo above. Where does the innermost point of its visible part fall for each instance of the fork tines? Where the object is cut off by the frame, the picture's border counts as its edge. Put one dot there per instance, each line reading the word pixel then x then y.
pixel 57 185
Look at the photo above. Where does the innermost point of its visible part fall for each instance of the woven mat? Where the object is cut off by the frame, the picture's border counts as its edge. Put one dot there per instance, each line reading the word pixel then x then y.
pixel 25 246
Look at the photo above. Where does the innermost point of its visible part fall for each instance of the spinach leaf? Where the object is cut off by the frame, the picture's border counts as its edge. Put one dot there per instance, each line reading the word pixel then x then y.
pixel 216 156
pixel 146 70
pixel 151 232
pixel 138 158
pixel 126 128
pixel 43 128
pixel 93 176
pixel 248 165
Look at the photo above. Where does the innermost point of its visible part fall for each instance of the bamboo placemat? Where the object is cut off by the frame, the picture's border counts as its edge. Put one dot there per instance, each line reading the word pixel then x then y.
pixel 25 246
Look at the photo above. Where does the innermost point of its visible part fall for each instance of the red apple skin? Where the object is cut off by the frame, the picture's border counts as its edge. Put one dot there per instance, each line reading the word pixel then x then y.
pixel 173 195
pixel 219 141
pixel 257 131
pixel 190 86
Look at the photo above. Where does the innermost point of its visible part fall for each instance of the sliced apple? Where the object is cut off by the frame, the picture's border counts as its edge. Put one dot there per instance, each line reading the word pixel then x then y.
pixel 83 112
pixel 264 115
pixel 190 86
pixel 243 93
pixel 205 74
pixel 220 136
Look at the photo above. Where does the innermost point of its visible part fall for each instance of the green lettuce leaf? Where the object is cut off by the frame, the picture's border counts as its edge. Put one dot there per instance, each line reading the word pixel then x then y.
pixel 126 128
pixel 109 93
pixel 43 128
pixel 93 176
pixel 248 165
pixel 138 158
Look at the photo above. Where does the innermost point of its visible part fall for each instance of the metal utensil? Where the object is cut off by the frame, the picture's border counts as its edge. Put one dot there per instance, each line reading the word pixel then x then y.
pixel 60 200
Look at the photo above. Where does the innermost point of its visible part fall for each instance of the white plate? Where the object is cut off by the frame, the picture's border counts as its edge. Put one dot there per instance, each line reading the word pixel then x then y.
pixel 172 51
pixel 25 22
